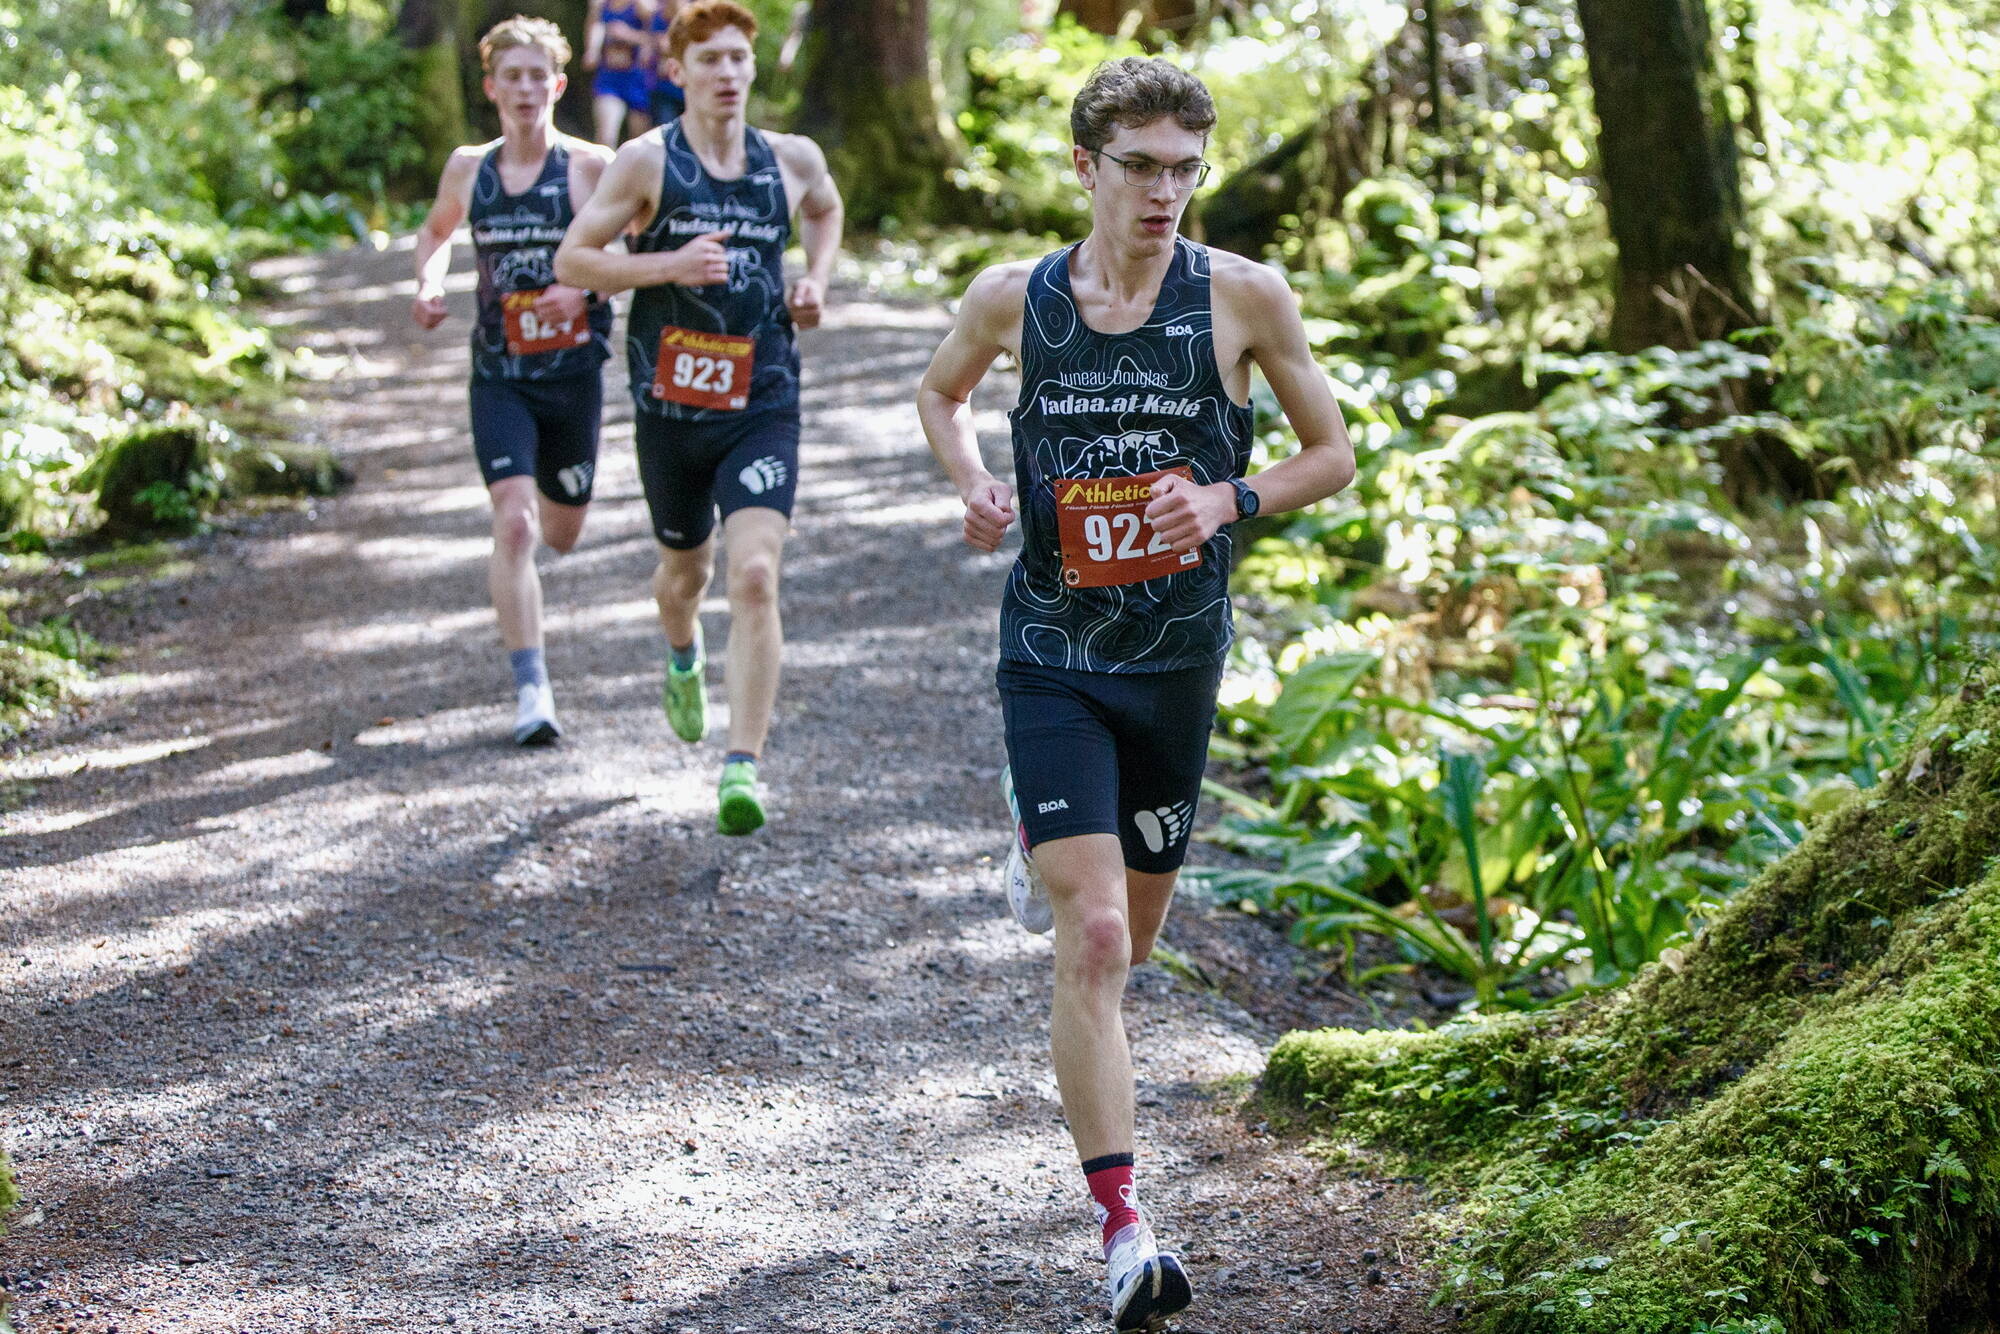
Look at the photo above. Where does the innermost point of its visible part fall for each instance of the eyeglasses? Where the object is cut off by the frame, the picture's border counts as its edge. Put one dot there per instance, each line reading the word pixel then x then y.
pixel 1144 174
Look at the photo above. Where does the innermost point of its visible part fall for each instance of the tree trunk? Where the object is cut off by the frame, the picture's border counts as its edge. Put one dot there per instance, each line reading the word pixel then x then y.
pixel 1668 153
pixel 1149 20
pixel 869 100
pixel 430 29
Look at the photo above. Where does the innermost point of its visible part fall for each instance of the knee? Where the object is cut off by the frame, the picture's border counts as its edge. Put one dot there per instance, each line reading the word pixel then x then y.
pixel 753 582
pixel 1102 949
pixel 515 531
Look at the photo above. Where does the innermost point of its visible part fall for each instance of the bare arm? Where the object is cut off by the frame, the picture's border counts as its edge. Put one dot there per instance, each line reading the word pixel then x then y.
pixel 448 210
pixel 593 34
pixel 988 315
pixel 821 216
pixel 624 194
pixel 561 303
pixel 1188 515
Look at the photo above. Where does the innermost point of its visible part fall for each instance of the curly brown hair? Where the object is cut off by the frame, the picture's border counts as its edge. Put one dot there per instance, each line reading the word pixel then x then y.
pixel 1135 91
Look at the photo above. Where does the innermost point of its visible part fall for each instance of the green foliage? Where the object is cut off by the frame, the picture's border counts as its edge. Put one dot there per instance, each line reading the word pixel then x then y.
pixel 41 665
pixel 1544 697
pixel 1788 1124
pixel 350 111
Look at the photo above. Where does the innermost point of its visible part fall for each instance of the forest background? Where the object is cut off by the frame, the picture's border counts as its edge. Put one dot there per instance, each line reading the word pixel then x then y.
pixel 1665 330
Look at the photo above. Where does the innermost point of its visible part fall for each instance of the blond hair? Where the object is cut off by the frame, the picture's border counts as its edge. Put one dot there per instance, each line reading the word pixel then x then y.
pixel 524 31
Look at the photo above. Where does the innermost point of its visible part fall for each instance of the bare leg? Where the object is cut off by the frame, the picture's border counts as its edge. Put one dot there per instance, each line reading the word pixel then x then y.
pixel 637 123
pixel 510 574
pixel 607 114
pixel 679 583
pixel 755 542
pixel 1094 951
pixel 562 525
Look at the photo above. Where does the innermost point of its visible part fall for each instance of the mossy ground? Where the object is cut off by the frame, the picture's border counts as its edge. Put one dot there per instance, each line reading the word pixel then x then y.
pixel 1792 1124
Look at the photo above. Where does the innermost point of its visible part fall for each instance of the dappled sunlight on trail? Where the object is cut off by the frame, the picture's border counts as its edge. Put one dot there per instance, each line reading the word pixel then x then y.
pixel 330 1009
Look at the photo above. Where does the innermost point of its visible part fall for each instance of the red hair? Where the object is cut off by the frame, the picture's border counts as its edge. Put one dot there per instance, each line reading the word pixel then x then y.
pixel 703 19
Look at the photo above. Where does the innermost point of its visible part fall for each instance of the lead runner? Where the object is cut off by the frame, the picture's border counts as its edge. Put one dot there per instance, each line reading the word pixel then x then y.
pixel 1131 438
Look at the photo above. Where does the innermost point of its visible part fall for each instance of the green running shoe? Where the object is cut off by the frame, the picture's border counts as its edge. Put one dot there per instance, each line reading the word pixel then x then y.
pixel 737 810
pixel 685 695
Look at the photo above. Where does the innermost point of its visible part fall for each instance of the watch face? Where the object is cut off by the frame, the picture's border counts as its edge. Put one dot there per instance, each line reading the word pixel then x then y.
pixel 1246 500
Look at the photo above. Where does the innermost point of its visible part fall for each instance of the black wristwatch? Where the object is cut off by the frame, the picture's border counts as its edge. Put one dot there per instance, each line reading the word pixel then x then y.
pixel 1246 499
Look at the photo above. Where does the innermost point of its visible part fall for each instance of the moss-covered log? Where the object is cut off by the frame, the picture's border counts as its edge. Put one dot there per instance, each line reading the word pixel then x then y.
pixel 1796 1119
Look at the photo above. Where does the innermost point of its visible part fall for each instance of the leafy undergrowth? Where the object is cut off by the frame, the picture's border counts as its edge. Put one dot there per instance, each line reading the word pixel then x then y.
pixel 1788 1125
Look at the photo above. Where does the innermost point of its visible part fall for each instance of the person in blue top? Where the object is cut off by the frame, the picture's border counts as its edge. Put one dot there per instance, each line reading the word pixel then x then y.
pixel 618 44
pixel 666 99
pixel 1131 437
pixel 538 346
pixel 714 365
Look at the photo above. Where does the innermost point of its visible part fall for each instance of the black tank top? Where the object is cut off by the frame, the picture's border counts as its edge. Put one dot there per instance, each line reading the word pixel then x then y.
pixel 753 210
pixel 515 237
pixel 1119 405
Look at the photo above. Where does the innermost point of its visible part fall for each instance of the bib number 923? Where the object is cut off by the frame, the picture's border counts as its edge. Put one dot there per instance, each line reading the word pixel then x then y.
pixel 1105 539
pixel 703 370
pixel 706 375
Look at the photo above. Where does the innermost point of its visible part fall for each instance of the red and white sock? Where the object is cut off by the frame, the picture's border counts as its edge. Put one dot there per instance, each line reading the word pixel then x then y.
pixel 1110 1179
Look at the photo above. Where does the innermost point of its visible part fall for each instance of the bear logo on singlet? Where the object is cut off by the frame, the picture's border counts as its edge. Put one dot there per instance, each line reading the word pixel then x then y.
pixel 519 270
pixel 1128 454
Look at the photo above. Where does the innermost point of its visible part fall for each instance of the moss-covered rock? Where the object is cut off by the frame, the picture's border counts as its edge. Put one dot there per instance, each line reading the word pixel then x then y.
pixel 1796 1119
pixel 157 479
pixel 285 470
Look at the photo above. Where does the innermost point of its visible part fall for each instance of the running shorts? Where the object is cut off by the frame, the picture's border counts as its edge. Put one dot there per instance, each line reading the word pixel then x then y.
pixel 630 86
pixel 1097 753
pixel 691 469
pixel 544 429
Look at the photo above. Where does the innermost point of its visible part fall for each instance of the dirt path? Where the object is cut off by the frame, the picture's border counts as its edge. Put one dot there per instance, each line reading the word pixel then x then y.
pixel 324 1009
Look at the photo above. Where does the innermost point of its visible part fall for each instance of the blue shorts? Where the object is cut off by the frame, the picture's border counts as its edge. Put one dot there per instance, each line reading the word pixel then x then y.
pixel 629 86
pixel 544 429
pixel 1098 753
pixel 691 469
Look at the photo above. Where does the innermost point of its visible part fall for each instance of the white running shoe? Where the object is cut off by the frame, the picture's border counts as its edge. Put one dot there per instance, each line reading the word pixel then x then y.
pixel 1146 1285
pixel 535 716
pixel 1027 895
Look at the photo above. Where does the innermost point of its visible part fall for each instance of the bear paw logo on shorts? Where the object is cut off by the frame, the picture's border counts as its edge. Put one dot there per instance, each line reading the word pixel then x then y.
pixel 766 474
pixel 575 479
pixel 1164 826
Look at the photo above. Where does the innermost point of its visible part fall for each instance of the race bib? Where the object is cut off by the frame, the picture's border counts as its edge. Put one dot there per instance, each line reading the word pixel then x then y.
pixel 703 370
pixel 528 333
pixel 1101 524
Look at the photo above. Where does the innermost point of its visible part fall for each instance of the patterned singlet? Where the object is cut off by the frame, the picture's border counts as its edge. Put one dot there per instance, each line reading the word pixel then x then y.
pixel 515 237
pixel 1119 405
pixel 754 211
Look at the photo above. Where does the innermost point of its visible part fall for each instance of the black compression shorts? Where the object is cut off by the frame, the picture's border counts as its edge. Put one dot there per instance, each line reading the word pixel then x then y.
pixel 544 429
pixel 1096 753
pixel 690 469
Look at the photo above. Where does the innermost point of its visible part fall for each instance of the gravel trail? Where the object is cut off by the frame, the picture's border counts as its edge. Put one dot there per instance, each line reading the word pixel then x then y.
pixel 322 1008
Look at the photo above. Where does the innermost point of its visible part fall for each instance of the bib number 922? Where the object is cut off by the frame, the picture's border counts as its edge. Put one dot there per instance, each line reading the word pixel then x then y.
pixel 1109 537
pixel 1105 539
